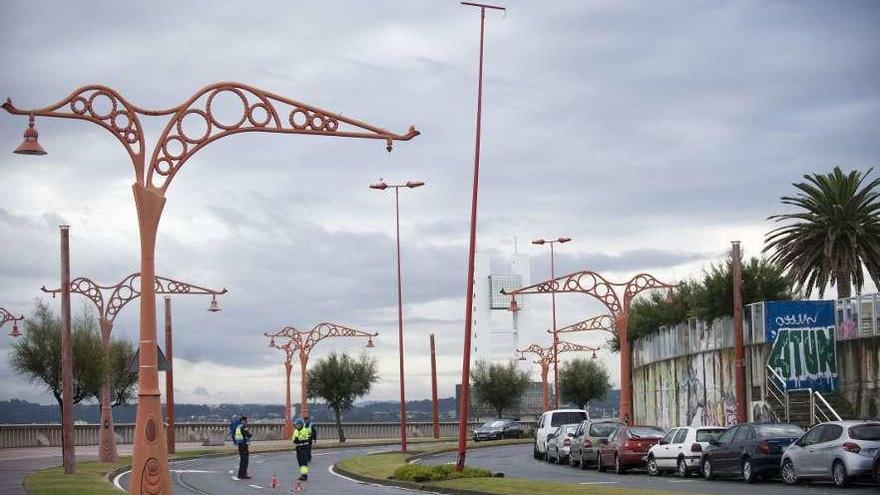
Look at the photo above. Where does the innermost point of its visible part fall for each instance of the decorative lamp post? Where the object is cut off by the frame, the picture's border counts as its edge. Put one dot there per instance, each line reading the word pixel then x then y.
pixel 260 111
pixel 6 316
pixel 551 242
pixel 464 406
pixel 303 342
pixel 381 186
pixel 434 401
pixel 592 284
pixel 109 301
pixel 601 323
pixel 547 356
pixel 287 347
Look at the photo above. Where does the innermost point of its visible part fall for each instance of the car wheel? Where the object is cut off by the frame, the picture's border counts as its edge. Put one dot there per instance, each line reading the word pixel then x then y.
pixel 789 475
pixel 561 460
pixel 707 469
pixel 877 473
pixel 618 467
pixel 683 469
pixel 653 470
pixel 748 471
pixel 572 461
pixel 599 466
pixel 583 463
pixel 535 452
pixel 838 473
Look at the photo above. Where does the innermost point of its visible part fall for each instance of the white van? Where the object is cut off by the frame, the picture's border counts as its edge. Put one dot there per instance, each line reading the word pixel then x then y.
pixel 549 421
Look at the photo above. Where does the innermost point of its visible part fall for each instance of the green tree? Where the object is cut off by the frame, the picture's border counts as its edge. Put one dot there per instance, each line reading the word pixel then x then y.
pixel 833 233
pixel 37 353
pixel 123 381
pixel 340 380
pixel 498 385
pixel 582 380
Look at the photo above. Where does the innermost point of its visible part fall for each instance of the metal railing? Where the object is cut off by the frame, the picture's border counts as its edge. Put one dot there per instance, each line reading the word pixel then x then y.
pixel 777 392
pixel 822 410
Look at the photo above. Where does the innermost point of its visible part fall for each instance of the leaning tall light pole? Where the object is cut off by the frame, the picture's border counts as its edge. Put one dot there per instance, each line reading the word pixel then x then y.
pixel 435 409
pixel 6 316
pixel 465 396
pixel 592 284
pixel 551 242
pixel 258 113
pixel 381 186
pixel 109 301
pixel 739 348
pixel 68 455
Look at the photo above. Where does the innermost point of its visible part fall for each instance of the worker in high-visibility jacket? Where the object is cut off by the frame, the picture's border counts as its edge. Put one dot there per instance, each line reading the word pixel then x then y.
pixel 242 439
pixel 302 439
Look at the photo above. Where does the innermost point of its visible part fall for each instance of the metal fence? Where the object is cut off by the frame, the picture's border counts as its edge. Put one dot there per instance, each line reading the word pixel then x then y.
pixel 50 435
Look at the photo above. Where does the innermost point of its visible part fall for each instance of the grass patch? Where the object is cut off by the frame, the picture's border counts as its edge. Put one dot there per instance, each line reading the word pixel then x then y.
pixel 420 473
pixel 507 486
pixel 374 465
pixel 90 479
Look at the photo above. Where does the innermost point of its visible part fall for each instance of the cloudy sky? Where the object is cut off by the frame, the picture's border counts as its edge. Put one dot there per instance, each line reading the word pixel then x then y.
pixel 652 133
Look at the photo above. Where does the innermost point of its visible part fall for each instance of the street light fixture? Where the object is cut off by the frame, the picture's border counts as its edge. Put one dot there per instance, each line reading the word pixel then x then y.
pixel 551 242
pixel 381 186
pixel 261 111
pixel 214 306
pixel 6 316
pixel 30 145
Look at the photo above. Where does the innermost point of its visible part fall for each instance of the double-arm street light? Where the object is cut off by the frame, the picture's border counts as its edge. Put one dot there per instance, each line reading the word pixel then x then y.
pixel 109 301
pixel 288 348
pixel 548 355
pixel 381 186
pixel 552 242
pixel 6 316
pixel 617 297
pixel 304 342
pixel 464 405
pixel 258 111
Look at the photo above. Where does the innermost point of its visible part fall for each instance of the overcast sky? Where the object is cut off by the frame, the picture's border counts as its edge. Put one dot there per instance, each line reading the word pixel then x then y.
pixel 651 133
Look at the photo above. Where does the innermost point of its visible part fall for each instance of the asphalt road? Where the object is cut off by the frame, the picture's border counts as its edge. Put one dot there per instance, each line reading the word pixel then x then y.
pixel 516 461
pixel 210 476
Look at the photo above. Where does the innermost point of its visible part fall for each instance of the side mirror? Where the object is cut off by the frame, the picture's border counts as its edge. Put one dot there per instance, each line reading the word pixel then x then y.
pixel 714 442
pixel 571 434
pixel 550 437
pixel 663 442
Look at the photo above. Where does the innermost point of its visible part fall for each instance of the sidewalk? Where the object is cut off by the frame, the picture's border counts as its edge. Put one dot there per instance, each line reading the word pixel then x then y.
pixel 17 464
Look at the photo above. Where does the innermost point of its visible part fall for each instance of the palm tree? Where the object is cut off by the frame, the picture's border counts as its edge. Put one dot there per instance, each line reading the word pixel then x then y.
pixel 835 233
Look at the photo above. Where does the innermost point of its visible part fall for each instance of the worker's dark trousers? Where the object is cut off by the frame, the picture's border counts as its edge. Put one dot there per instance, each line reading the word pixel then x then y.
pixel 303 457
pixel 243 455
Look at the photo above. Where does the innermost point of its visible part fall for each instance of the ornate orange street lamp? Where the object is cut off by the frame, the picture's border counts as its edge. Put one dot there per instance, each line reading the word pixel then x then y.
pixel 601 323
pixel 592 284
pixel 288 348
pixel 547 356
pixel 107 108
pixel 381 186
pixel 6 316
pixel 304 342
pixel 552 242
pixel 109 300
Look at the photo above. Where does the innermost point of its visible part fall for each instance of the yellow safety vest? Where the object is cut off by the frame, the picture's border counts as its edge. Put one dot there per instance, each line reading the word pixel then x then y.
pixel 302 434
pixel 239 436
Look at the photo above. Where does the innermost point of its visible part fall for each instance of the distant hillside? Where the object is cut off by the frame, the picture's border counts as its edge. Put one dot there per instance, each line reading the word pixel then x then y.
pixel 18 412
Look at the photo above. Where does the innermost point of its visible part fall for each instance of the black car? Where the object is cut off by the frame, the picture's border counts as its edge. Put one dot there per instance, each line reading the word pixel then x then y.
pixel 750 450
pixel 497 429
pixel 877 467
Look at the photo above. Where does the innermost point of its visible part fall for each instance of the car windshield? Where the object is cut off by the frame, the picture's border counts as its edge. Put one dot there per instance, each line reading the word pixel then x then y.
pixel 707 435
pixel 778 430
pixel 568 417
pixel 646 432
pixel 870 431
pixel 602 429
pixel 493 424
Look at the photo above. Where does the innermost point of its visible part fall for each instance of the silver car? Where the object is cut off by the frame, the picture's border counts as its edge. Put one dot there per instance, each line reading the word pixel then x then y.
pixel 838 450
pixel 559 444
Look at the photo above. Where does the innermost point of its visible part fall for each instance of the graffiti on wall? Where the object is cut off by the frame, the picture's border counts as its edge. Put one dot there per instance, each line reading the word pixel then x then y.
pixel 802 340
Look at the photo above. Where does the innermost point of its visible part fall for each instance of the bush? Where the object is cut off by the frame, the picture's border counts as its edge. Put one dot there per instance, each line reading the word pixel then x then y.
pixel 420 473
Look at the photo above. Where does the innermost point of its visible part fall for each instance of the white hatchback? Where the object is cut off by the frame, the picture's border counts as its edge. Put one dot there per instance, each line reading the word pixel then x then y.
pixel 549 421
pixel 681 450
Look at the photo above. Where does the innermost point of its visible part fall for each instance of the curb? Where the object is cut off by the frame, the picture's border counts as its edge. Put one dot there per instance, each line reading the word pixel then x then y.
pixel 410 485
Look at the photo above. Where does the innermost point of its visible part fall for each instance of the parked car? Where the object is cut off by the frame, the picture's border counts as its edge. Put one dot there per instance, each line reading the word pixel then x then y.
pixel 498 429
pixel 549 421
pixel 681 450
pixel 627 447
pixel 585 443
pixel 838 450
pixel 877 467
pixel 559 444
pixel 750 450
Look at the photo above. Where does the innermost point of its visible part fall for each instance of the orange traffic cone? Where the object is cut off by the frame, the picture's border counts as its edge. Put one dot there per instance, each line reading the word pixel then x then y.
pixel 274 481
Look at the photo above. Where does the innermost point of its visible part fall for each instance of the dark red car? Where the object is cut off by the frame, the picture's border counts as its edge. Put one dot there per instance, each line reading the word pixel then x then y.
pixel 628 447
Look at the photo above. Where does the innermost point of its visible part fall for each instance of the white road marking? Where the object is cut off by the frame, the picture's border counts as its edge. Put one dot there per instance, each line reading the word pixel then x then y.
pixel 191 471
pixel 256 486
pixel 681 481
pixel 334 473
pixel 599 483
